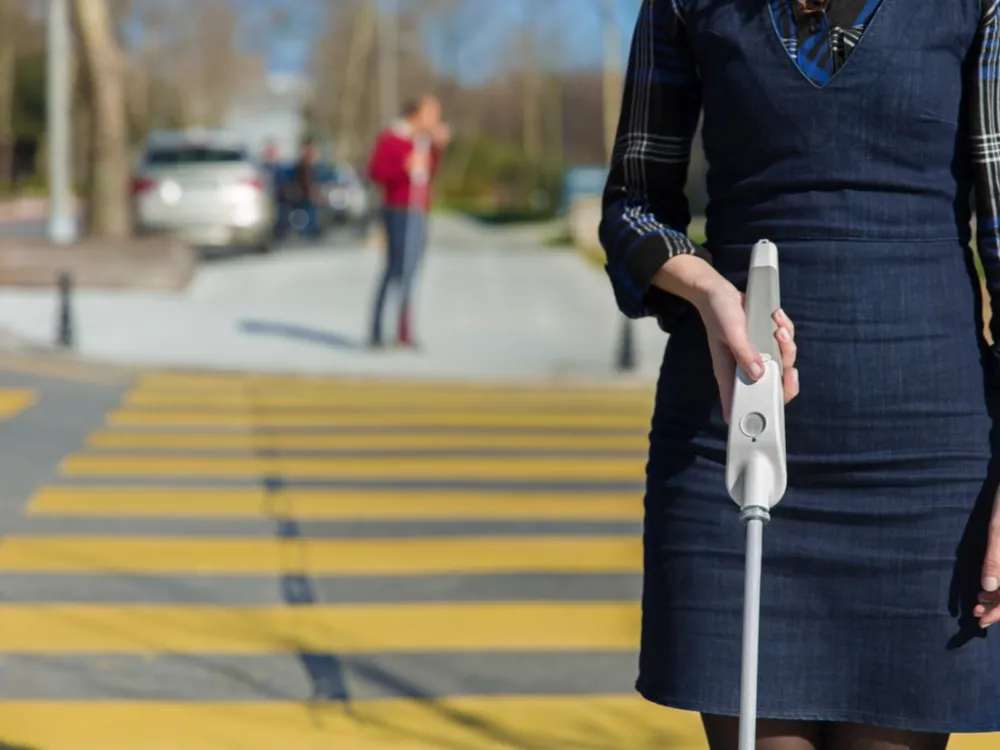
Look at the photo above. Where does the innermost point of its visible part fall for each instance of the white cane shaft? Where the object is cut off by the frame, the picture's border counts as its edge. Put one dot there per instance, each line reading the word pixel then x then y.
pixel 751 635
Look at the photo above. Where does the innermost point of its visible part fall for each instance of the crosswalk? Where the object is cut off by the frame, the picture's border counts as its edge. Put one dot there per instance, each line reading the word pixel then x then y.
pixel 246 562
pixel 260 562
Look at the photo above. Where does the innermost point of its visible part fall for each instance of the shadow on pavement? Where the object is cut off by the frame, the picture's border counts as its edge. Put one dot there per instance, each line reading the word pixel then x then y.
pixel 300 333
pixel 212 254
pixel 327 671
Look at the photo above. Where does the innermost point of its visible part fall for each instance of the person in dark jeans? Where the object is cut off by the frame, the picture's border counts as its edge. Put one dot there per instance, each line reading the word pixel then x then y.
pixel 299 193
pixel 403 163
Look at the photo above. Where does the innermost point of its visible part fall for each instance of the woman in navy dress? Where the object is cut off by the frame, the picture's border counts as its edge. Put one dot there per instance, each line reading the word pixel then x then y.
pixel 852 133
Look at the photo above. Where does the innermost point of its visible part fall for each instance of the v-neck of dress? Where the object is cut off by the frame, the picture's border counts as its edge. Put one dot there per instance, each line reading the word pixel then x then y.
pixel 792 55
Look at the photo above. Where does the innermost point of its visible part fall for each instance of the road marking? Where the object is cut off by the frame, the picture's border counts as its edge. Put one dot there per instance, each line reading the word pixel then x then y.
pixel 359 468
pixel 324 505
pixel 346 629
pixel 390 419
pixel 64 368
pixel 331 395
pixel 206 380
pixel 13 401
pixel 469 723
pixel 364 557
pixel 332 441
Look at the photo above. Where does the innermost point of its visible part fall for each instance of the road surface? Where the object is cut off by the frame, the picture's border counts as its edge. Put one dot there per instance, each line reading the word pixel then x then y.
pixel 490 305
pixel 200 561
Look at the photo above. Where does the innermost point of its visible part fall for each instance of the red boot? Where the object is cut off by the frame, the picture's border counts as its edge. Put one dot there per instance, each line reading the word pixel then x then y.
pixel 405 337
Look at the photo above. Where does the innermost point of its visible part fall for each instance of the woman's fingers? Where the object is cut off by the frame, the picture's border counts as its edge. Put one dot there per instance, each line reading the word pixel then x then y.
pixel 786 345
pixel 988 603
pixel 783 321
pixel 988 614
pixel 988 610
pixel 791 384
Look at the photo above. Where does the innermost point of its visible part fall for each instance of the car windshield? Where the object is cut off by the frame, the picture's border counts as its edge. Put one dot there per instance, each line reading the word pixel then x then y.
pixel 160 156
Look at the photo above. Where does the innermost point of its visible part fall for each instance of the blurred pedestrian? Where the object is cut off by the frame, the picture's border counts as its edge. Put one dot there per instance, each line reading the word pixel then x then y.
pixel 299 194
pixel 403 163
pixel 269 161
pixel 269 154
pixel 272 169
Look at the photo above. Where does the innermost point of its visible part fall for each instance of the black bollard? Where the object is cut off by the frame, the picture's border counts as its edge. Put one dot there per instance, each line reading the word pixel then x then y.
pixel 64 336
pixel 626 347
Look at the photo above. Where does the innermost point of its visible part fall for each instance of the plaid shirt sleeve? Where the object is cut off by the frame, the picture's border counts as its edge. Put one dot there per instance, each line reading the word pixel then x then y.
pixel 985 121
pixel 645 210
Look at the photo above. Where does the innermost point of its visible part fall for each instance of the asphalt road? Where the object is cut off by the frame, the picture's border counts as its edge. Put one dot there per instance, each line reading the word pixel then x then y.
pixel 436 566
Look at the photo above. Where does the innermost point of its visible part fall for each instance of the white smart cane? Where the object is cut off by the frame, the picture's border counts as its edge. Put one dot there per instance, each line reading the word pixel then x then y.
pixel 756 474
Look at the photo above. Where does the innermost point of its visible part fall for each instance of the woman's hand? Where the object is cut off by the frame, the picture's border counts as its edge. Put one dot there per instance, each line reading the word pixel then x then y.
pixel 723 312
pixel 988 609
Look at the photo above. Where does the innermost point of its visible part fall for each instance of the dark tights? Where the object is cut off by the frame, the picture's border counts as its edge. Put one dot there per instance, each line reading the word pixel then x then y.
pixel 723 734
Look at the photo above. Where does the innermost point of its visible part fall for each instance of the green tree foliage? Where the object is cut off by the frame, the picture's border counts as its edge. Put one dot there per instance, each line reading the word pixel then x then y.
pixel 495 180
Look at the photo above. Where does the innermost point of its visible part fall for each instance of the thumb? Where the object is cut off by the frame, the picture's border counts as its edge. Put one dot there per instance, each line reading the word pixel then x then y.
pixel 747 357
pixel 991 566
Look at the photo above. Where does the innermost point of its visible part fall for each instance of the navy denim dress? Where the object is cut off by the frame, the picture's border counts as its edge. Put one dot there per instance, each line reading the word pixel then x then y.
pixel 872 560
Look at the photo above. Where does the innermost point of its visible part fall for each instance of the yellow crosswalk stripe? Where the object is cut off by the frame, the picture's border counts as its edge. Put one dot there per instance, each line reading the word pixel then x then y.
pixel 209 426
pixel 359 468
pixel 426 419
pixel 221 381
pixel 333 396
pixel 246 556
pixel 467 723
pixel 356 629
pixel 334 505
pixel 329 441
pixel 600 722
pixel 14 401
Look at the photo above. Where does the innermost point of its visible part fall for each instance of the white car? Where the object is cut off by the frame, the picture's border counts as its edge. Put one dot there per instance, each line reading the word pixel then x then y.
pixel 203 186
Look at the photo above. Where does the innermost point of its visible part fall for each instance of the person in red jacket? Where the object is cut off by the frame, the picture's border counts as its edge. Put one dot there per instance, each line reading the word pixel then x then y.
pixel 403 163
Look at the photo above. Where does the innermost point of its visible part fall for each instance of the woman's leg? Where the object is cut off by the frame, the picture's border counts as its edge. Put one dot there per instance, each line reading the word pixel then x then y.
pixel 723 733
pixel 416 239
pixel 394 222
pixel 860 737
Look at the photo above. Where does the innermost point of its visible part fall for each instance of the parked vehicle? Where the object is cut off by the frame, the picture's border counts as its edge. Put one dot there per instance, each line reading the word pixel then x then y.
pixel 348 200
pixel 204 186
pixel 343 199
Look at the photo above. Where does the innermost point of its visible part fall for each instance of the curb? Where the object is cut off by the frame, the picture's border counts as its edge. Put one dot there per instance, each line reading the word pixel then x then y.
pixel 16 210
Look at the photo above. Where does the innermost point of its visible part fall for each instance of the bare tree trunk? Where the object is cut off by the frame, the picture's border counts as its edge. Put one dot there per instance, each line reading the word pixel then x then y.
pixel 103 62
pixel 612 75
pixel 362 41
pixel 8 61
pixel 531 84
pixel 555 116
pixel 532 107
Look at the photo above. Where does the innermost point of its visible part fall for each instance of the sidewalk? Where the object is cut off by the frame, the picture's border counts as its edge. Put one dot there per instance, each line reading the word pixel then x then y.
pixel 487 309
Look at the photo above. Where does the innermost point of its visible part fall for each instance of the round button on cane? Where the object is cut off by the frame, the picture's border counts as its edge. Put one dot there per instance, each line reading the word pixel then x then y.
pixel 753 424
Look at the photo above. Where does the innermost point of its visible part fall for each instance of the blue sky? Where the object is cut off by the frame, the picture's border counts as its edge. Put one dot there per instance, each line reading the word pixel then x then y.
pixel 576 21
